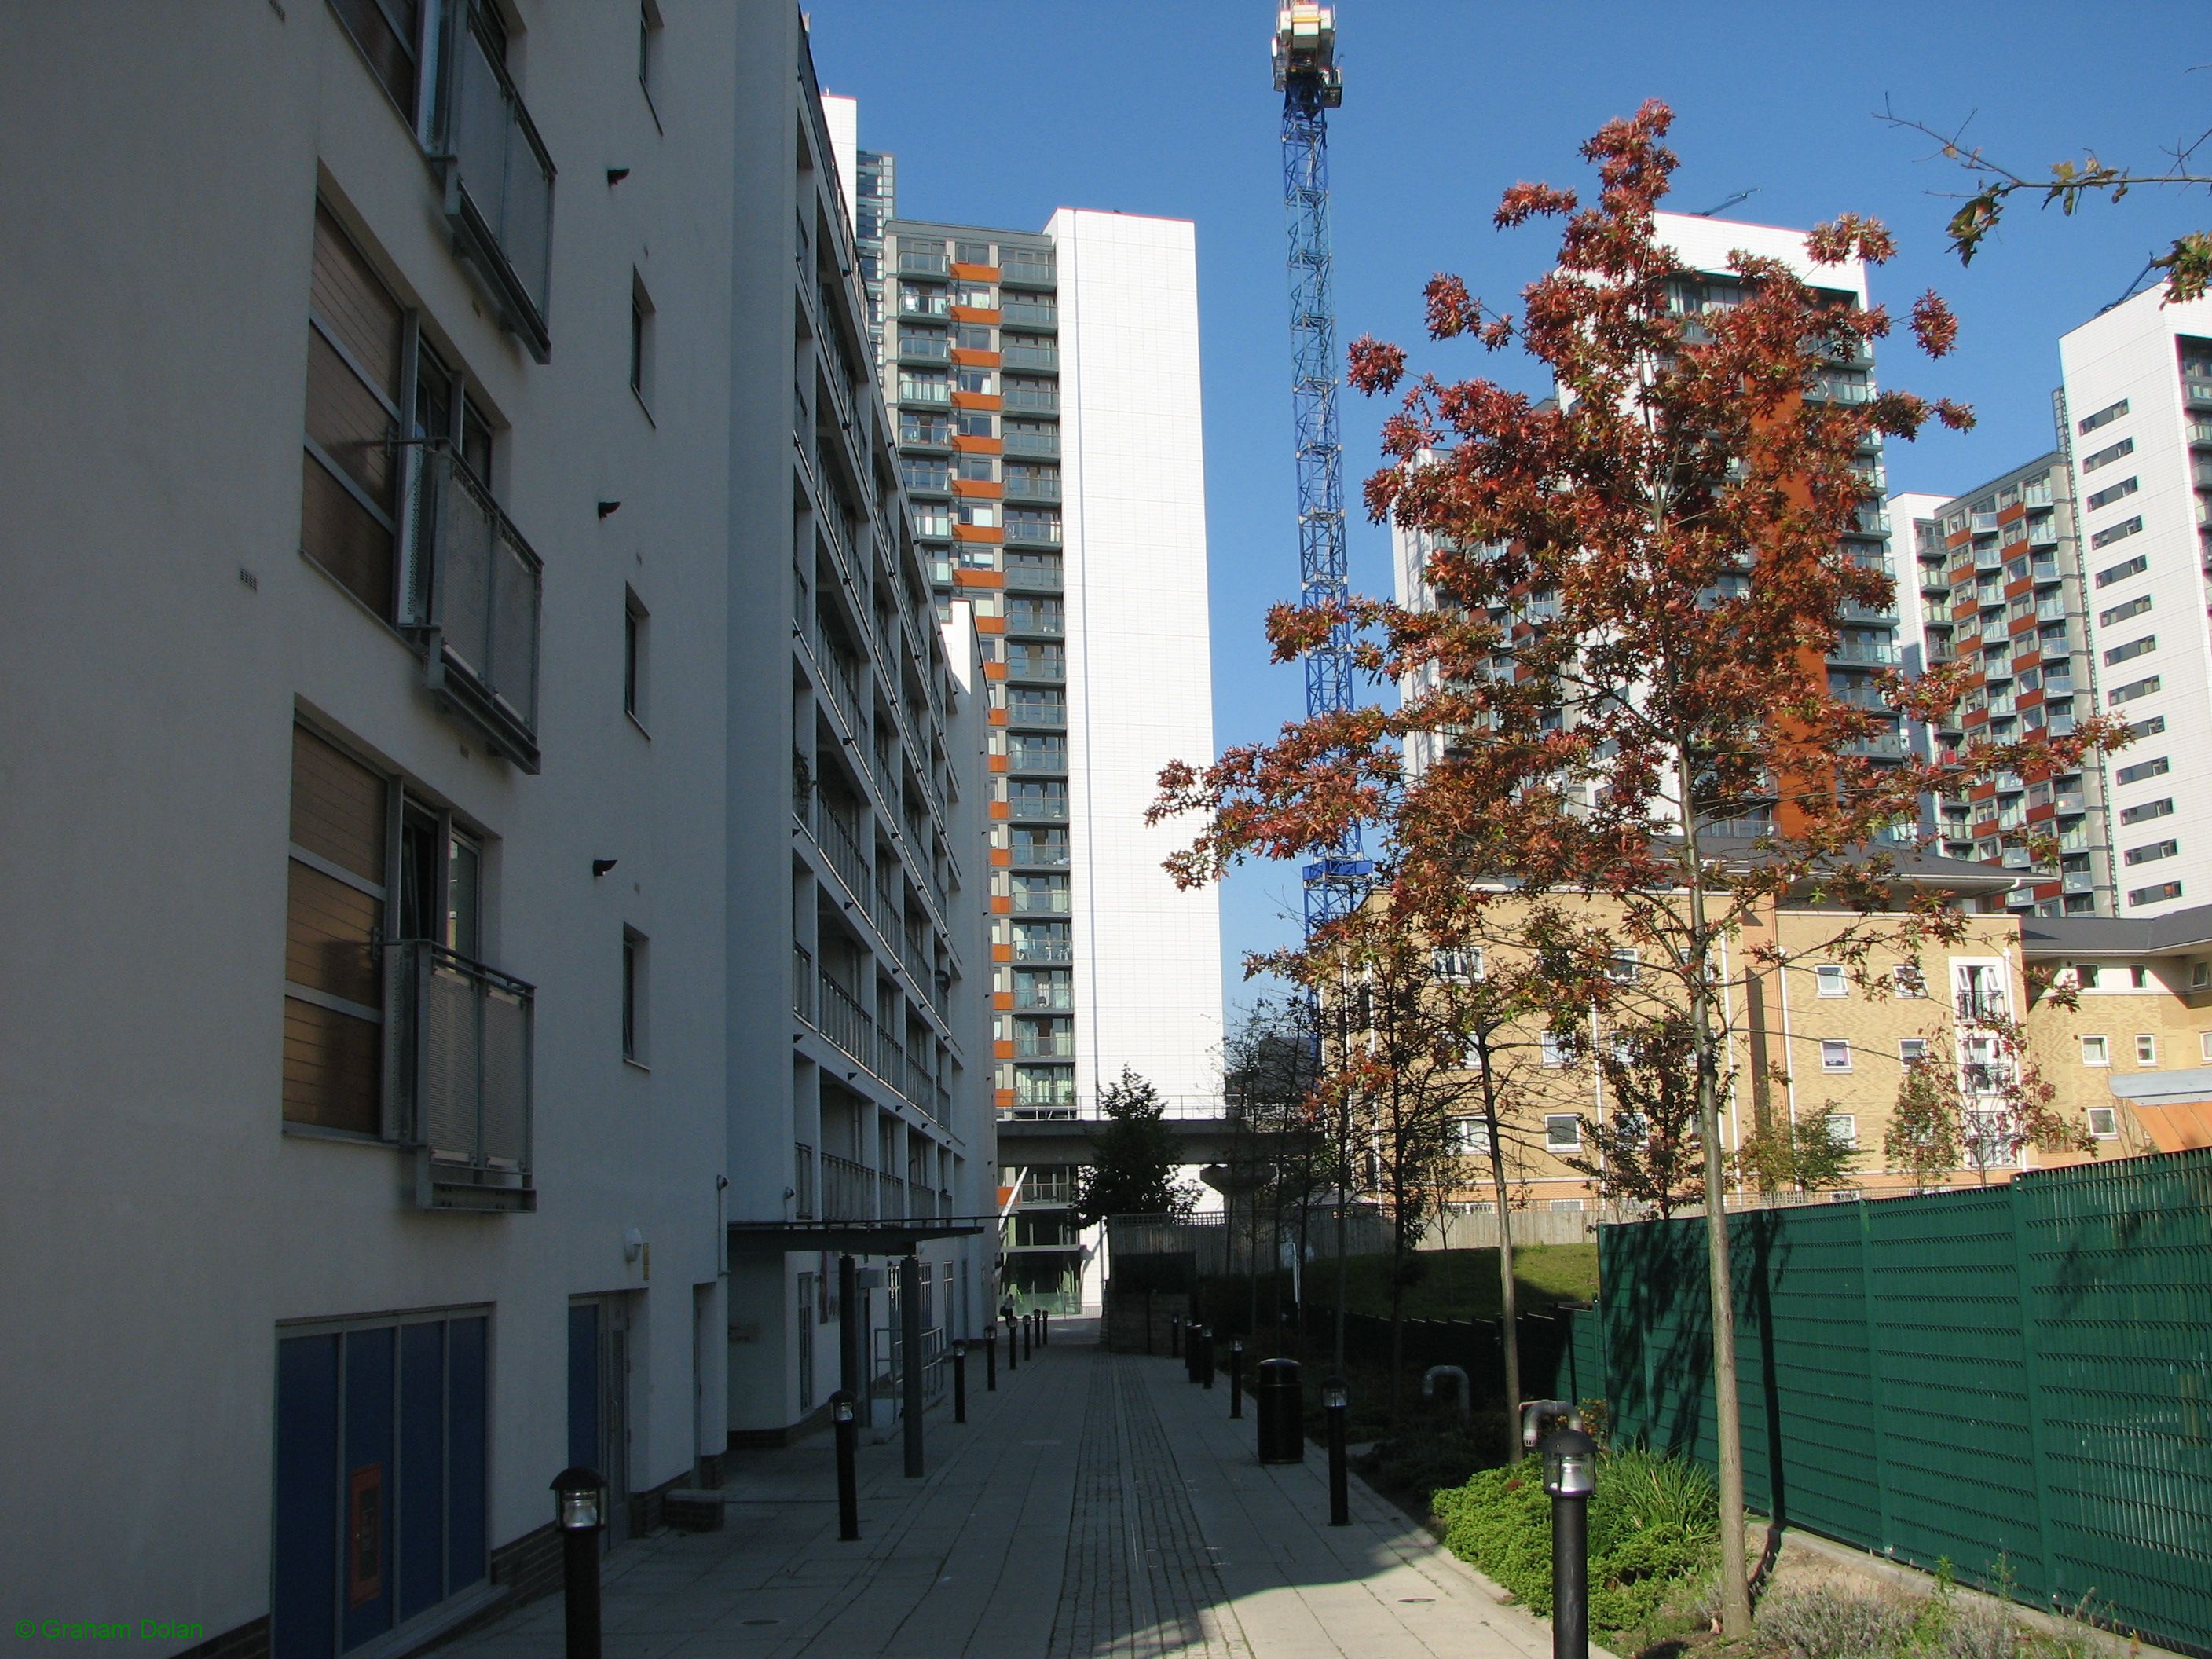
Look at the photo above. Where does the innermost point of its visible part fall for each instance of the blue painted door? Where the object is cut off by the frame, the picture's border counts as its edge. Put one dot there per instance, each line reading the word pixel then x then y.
pixel 584 1386
pixel 303 1603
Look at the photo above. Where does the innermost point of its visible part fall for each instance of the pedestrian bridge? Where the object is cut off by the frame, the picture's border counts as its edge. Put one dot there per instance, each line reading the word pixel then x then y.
pixel 1030 1135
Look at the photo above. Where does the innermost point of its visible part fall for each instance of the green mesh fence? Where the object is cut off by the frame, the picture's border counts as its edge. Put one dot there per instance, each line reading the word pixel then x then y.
pixel 2017 1379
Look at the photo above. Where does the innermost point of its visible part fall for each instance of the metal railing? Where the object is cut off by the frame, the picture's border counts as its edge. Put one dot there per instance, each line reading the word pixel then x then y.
pixel 890 1061
pixel 848 1189
pixel 802 982
pixel 1979 1005
pixel 1032 443
pixel 499 190
pixel 843 1021
pixel 891 1197
pixel 1049 951
pixel 1055 902
pixel 460 1044
pixel 475 591
pixel 840 844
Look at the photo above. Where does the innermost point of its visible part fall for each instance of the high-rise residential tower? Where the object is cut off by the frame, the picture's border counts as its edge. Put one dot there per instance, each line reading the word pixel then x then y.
pixel 868 181
pixel 2138 421
pixel 1047 389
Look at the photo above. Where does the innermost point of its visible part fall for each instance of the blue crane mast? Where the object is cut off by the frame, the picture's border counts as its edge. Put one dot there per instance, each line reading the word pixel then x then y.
pixel 1311 84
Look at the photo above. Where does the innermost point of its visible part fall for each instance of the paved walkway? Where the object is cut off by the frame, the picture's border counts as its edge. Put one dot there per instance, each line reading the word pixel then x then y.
pixel 1099 1506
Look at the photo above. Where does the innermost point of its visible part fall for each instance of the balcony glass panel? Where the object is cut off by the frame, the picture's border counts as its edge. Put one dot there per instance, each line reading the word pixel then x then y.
pixel 499 190
pixel 460 1050
pixel 475 588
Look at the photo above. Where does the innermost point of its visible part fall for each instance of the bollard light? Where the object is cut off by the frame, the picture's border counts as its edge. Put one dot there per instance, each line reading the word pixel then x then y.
pixel 847 1434
pixel 959 1382
pixel 1333 1395
pixel 841 1408
pixel 1570 1464
pixel 580 1512
pixel 1336 1400
pixel 1237 1376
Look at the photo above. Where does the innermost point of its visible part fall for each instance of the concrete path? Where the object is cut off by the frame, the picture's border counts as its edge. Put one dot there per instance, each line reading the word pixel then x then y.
pixel 1099 1506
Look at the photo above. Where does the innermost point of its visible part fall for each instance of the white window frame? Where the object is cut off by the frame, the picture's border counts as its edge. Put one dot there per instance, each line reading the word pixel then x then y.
pixel 2110 1117
pixel 1918 1046
pixel 1830 980
pixel 1622 967
pixel 1551 1142
pixel 1835 1054
pixel 2097 1048
pixel 1843 1128
pixel 2146 1048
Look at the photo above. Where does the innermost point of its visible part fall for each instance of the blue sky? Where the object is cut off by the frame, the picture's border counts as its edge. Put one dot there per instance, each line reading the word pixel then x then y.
pixel 1000 111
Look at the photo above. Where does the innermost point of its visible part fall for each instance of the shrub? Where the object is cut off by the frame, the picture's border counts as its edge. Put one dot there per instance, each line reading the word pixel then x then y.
pixel 1829 1621
pixel 1653 1523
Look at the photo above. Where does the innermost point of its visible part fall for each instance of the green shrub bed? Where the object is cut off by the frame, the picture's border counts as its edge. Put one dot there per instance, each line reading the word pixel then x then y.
pixel 1654 1524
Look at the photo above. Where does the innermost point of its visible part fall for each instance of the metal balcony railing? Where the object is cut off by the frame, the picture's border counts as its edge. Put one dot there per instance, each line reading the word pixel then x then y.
pixel 1060 998
pixel 844 1022
pixel 802 982
pixel 919 1087
pixel 1044 357
pixel 474 591
pixel 1976 1005
pixel 1050 761
pixel 840 842
pixel 890 1061
pixel 1032 443
pixel 891 1198
pixel 499 190
pixel 458 1051
pixel 1054 903
pixel 848 1189
pixel 802 1181
pixel 1058 1046
pixel 1034 950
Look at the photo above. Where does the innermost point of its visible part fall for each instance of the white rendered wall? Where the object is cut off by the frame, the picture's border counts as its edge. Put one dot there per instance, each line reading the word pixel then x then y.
pixel 2129 352
pixel 842 117
pixel 1140 688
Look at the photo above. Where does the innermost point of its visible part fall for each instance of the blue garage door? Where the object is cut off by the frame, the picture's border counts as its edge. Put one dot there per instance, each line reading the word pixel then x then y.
pixel 381 1440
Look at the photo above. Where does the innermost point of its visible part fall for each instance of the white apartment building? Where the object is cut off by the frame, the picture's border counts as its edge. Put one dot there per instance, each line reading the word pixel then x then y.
pixel 498 827
pixel 1049 404
pixel 2138 423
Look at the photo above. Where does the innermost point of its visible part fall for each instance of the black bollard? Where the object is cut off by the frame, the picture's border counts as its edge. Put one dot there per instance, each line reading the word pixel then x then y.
pixel 1570 1476
pixel 1044 1329
pixel 1029 1336
pixel 991 1360
pixel 960 1382
pixel 1014 1348
pixel 1237 1376
pixel 578 1506
pixel 848 1480
pixel 1175 1337
pixel 1206 1359
pixel 1337 1404
pixel 911 1375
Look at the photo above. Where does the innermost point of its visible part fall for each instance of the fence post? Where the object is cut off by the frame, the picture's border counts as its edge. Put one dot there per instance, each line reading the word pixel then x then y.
pixel 2031 1388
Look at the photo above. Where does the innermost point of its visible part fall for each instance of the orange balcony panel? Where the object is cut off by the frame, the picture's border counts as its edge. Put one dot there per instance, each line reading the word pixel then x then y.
pixel 981 489
pixel 978 446
pixel 978 532
pixel 974 273
pixel 979 579
pixel 1003 1050
pixel 1003 952
pixel 990 624
pixel 969 357
pixel 975 400
pixel 1001 856
pixel 2007 514
pixel 1002 999
pixel 999 810
pixel 2015 589
pixel 1002 904
pixel 974 313
pixel 998 716
pixel 995 670
pixel 998 763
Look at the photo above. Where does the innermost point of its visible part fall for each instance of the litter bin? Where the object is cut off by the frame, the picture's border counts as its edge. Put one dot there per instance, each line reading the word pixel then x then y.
pixel 1281 1411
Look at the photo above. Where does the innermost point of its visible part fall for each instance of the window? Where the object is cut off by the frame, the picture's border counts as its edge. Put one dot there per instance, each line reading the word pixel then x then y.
pixel 2204 1047
pixel 2085 975
pixel 1470 1138
pixel 976 469
pixel 1566 1207
pixel 635 996
pixel 2104 416
pixel 984 515
pixel 2096 1051
pixel 640 340
pixel 390 38
pixel 2131 650
pixel 2139 978
pixel 1563 1131
pixel 635 657
pixel 1835 1055
pixel 1905 979
pixel 2146 1048
pixel 1621 969
pixel 1843 1128
pixel 919 427
pixel 2158 895
pixel 2120 532
pixel 2122 571
pixel 649 44
pixel 975 380
pixel 1911 1051
pixel 2161 808
pixel 2107 496
pixel 2142 770
pixel 2104 1123
pixel 1829 976
pixel 356 349
pixel 1459 965
pixel 2148 728
pixel 335 917
pixel 1557 1049
pixel 2153 851
pixel 975 423
pixel 2134 688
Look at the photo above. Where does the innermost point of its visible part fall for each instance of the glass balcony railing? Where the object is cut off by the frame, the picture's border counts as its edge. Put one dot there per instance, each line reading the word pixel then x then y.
pixel 475 589
pixel 499 190
pixel 462 1077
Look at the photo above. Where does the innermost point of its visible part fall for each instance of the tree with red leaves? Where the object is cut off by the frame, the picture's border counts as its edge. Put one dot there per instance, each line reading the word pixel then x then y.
pixel 1630 735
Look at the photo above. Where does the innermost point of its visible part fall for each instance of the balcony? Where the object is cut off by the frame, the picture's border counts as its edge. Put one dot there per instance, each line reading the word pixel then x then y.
pixel 1034 665
pixel 1882 655
pixel 1014 271
pixel 1050 808
pixel 499 192
pixel 802 983
pixel 1977 1006
pixel 848 1189
pixel 1035 357
pixel 1059 1046
pixel 917 263
pixel 460 1045
pixel 891 1198
pixel 1035 619
pixel 1033 575
pixel 1034 400
pixel 1055 998
pixel 475 588
pixel 1022 531
pixel 802 1181
pixel 1044 950
pixel 1032 443
pixel 840 842
pixel 1053 903
pixel 844 1022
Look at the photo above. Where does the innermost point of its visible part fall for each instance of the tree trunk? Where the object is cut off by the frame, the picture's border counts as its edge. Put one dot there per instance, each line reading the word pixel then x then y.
pixel 1507 1302
pixel 1343 1261
pixel 1727 1414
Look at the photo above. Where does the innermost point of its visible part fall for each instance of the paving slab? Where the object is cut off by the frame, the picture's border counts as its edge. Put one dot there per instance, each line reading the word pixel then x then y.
pixel 1096 1506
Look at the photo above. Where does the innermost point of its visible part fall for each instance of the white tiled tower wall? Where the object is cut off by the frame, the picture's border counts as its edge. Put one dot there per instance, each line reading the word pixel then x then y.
pixel 2130 352
pixel 1140 692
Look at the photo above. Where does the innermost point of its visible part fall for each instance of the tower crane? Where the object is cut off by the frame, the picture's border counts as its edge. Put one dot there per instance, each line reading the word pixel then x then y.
pixel 1306 74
